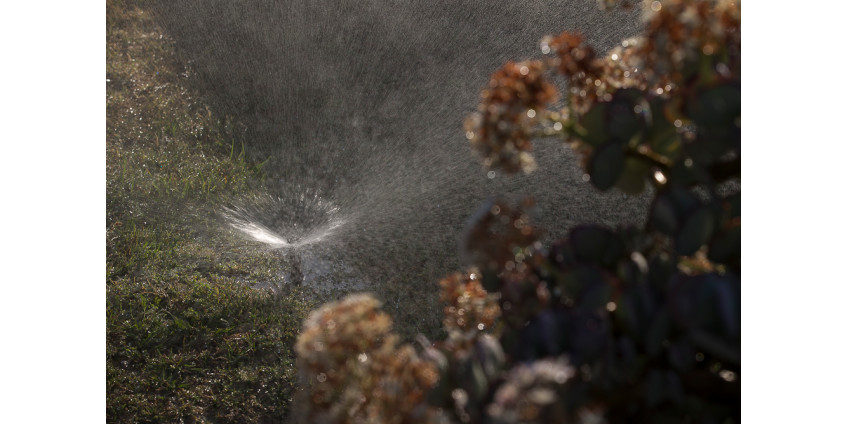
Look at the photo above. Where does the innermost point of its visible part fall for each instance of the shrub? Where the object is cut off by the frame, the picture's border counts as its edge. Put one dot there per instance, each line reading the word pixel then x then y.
pixel 628 324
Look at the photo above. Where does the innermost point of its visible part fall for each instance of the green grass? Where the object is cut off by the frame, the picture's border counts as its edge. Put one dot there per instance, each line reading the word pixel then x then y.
pixel 198 350
pixel 190 337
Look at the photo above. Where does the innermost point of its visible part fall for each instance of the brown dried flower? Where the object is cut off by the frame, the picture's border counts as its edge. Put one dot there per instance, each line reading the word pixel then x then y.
pixel 500 132
pixel 355 371
pixel 679 32
pixel 531 393
pixel 500 236
pixel 468 307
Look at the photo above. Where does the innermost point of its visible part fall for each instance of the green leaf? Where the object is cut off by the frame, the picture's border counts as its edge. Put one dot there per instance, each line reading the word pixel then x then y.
pixel 726 247
pixel 622 122
pixel 595 126
pixel 589 242
pixel 696 231
pixel 717 111
pixel 717 346
pixel 705 151
pixel 734 205
pixel 661 134
pixel 657 332
pixel 606 165
pixel 683 175
pixel 490 281
pixel 627 315
pixel 719 105
pixel 664 215
pixel 628 114
pixel 634 175
pixel 685 202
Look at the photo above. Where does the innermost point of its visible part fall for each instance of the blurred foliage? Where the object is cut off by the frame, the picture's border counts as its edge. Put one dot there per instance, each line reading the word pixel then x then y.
pixel 630 324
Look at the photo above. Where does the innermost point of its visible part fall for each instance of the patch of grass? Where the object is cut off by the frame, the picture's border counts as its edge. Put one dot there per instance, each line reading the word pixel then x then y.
pixel 189 336
pixel 199 349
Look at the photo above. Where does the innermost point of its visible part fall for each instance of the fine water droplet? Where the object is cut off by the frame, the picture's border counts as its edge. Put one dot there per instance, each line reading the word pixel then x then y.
pixel 524 70
pixel 586 178
pixel 611 306
pixel 531 113
pixel 491 175
pixel 558 126
pixel 656 6
pixel 480 326
pixel 678 123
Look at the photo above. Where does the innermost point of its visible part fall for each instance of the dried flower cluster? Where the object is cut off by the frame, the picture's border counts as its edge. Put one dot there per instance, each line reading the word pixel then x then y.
pixel 532 392
pixel 577 62
pixel 500 132
pixel 649 316
pixel 355 371
pixel 500 235
pixel 678 35
pixel 468 307
pixel 622 67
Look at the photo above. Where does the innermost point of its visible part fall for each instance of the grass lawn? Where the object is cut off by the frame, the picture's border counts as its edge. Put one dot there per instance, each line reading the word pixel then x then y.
pixel 190 335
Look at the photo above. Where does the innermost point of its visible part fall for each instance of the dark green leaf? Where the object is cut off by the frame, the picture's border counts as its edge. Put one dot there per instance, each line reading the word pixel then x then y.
pixel 715 345
pixel 685 202
pixel 594 125
pixel 597 244
pixel 662 136
pixel 716 106
pixel 726 247
pixel 657 332
pixel 696 231
pixel 622 122
pixel 734 205
pixel 654 390
pixel 606 165
pixel 633 176
pixel 490 280
pixel 664 215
